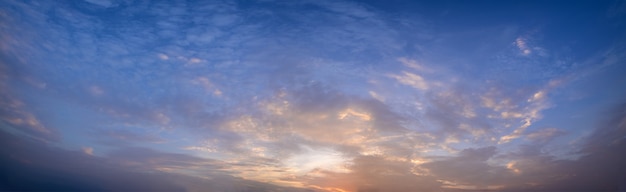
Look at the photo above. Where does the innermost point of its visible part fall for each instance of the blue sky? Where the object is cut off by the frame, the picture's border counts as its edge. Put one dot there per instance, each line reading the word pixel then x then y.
pixel 313 95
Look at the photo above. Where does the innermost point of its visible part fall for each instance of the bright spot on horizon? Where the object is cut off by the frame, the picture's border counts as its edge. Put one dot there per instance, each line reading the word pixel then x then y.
pixel 326 159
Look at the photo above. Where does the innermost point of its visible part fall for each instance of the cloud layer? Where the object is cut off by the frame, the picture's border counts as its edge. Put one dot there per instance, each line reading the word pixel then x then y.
pixel 309 96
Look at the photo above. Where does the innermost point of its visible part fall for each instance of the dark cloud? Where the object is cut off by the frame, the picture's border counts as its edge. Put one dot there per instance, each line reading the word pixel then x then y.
pixel 600 166
pixel 31 165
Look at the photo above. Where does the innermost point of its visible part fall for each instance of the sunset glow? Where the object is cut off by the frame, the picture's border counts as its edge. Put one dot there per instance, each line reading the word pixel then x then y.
pixel 320 96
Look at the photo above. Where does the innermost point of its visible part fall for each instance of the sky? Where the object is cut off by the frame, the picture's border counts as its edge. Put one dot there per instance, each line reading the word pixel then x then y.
pixel 315 96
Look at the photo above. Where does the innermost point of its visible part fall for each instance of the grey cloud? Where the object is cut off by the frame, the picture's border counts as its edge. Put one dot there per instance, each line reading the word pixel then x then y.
pixel 545 135
pixel 611 133
pixel 15 113
pixel 148 159
pixel 599 166
pixel 31 165
pixel 311 119
pixel 321 99
pixel 470 166
pixel 454 113
pixel 123 136
pixel 602 165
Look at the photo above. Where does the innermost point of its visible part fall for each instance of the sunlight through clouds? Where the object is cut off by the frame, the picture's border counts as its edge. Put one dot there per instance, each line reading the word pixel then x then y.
pixel 315 96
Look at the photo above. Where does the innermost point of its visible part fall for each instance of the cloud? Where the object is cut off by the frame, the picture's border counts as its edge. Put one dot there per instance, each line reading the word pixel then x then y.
pixel 119 137
pixel 298 94
pixel 147 159
pixel 32 165
pixel 413 64
pixel 374 173
pixel 411 79
pixel 515 109
pixel 163 56
pixel 521 43
pixel 545 134
pixel 529 168
pixel 296 129
pixel 88 150
pixel 95 90
pixel 15 112
pixel 206 84
pixel 104 3
pixel 376 96
pixel 469 169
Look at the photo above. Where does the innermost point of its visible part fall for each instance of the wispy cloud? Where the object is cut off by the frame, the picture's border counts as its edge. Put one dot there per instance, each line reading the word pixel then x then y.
pixel 411 79
pixel 292 96
pixel 17 114
pixel 88 150
pixel 521 43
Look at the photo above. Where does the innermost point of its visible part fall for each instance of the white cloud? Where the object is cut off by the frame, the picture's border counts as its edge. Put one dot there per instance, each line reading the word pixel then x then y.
pixel 195 60
pixel 411 79
pixel 377 96
pixel 207 85
pixel 537 102
pixel 317 158
pixel 200 148
pixel 413 64
pixel 521 43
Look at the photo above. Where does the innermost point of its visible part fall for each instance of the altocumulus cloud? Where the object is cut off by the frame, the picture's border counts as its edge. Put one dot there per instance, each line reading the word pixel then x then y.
pixel 115 95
